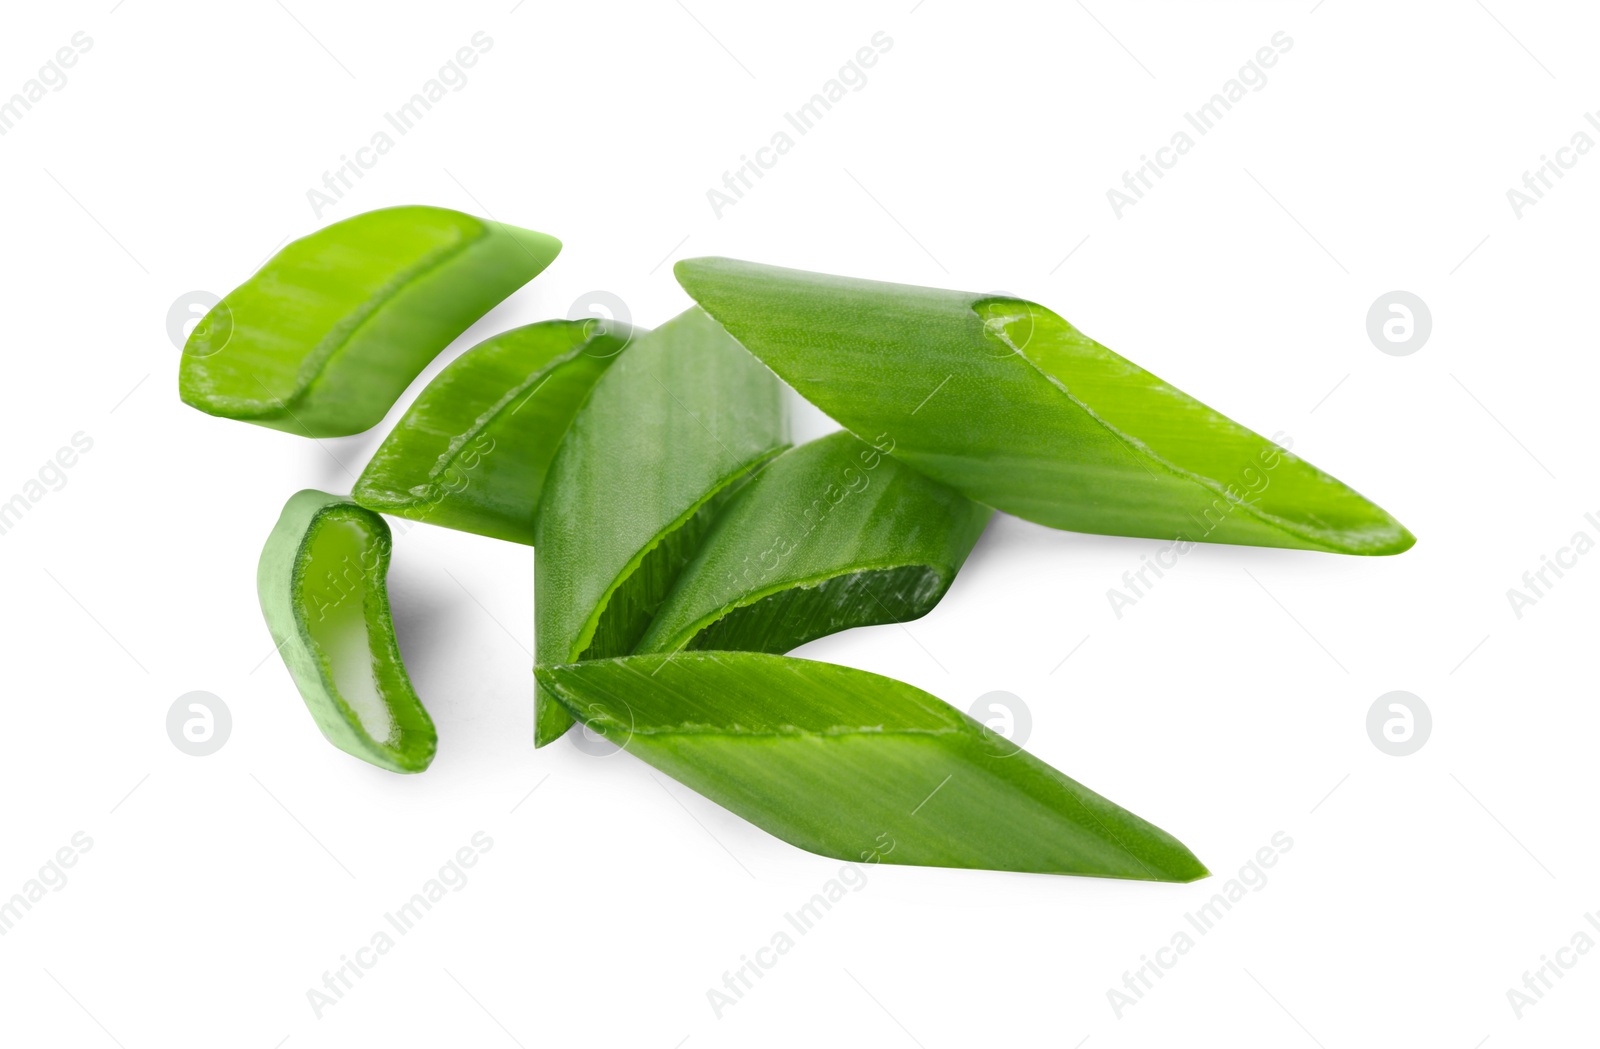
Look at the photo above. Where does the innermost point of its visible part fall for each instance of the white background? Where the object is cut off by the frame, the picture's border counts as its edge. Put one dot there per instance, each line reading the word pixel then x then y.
pixel 1227 705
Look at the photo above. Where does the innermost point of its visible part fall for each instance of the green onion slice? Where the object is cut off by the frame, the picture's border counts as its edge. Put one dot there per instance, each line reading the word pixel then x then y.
pixel 321 583
pixel 472 451
pixel 672 428
pixel 859 767
pixel 330 331
pixel 1012 406
pixel 830 535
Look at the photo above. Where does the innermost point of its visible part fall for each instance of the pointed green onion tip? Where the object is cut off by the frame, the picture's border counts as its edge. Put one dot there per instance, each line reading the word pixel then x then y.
pixel 859 767
pixel 1012 406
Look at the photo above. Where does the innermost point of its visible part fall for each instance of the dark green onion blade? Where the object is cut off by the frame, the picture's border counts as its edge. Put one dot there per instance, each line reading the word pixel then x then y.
pixel 830 535
pixel 472 451
pixel 321 580
pixel 330 331
pixel 859 767
pixel 1009 404
pixel 670 430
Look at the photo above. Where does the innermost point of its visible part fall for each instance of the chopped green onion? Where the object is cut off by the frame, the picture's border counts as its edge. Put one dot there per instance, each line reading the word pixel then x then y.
pixel 322 585
pixel 333 328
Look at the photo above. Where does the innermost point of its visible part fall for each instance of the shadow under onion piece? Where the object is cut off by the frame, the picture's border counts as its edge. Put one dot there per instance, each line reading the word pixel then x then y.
pixel 333 328
pixel 671 429
pixel 321 580
pixel 830 535
pixel 1012 406
pixel 858 767
pixel 472 451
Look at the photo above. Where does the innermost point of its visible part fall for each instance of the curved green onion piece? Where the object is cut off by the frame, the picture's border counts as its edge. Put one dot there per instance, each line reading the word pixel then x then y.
pixel 859 767
pixel 670 430
pixel 830 535
pixel 321 582
pixel 326 335
pixel 1010 405
pixel 472 451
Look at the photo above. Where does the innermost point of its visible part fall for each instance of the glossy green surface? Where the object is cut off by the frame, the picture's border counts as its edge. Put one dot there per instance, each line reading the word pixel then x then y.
pixel 830 535
pixel 472 451
pixel 330 331
pixel 321 583
pixel 859 767
pixel 680 417
pixel 1009 404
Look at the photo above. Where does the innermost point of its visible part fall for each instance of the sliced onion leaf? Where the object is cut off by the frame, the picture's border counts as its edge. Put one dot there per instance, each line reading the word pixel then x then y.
pixel 859 767
pixel 1009 404
pixel 830 535
pixel 330 331
pixel 679 420
pixel 472 451
pixel 321 580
